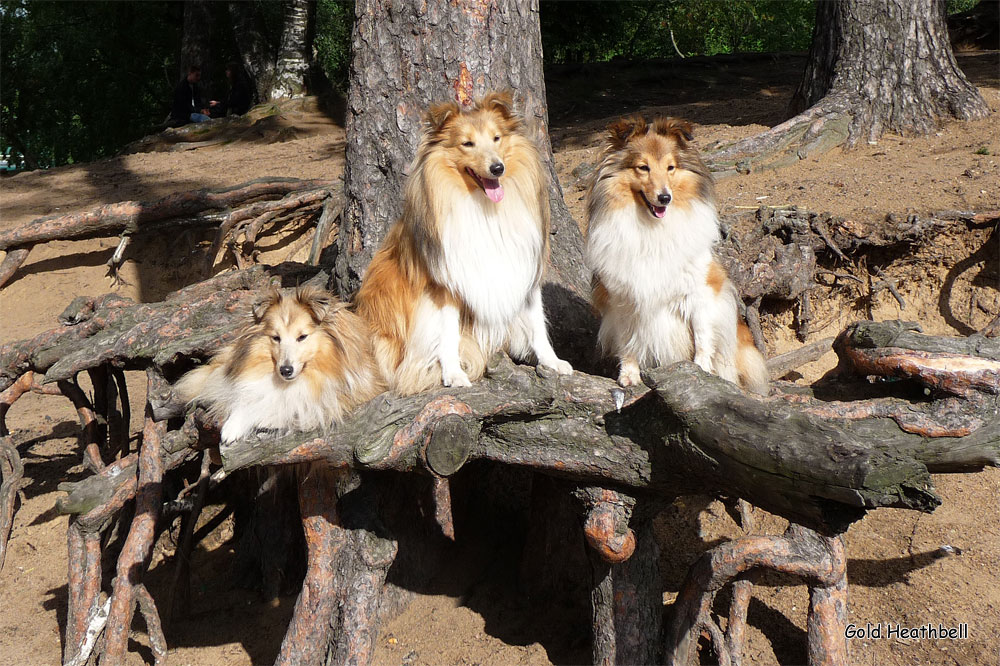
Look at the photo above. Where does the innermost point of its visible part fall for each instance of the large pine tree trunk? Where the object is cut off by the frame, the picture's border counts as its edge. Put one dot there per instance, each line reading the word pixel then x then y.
pixel 874 66
pixel 424 52
pixel 893 64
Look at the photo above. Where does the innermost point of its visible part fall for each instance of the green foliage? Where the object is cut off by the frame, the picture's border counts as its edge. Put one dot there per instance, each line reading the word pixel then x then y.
pixel 334 19
pixel 80 79
pixel 598 31
pixel 982 150
pixel 959 6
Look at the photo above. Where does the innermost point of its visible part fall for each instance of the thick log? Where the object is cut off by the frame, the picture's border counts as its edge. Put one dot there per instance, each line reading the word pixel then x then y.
pixel 897 349
pixel 133 216
pixel 692 434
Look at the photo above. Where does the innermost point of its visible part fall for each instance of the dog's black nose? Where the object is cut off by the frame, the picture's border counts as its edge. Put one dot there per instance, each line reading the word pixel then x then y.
pixel 286 371
pixel 496 169
pixel 664 199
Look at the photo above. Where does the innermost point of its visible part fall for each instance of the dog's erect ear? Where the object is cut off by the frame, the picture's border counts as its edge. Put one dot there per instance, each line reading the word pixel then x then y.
pixel 319 302
pixel 501 101
pixel 272 298
pixel 676 127
pixel 439 114
pixel 623 129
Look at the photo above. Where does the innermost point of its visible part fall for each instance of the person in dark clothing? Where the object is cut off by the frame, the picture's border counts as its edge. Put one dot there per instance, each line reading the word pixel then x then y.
pixel 240 98
pixel 188 106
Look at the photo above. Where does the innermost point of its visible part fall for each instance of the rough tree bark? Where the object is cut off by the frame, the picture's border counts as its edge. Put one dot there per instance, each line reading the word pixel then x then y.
pixel 873 67
pixel 412 56
pixel 256 54
pixel 295 50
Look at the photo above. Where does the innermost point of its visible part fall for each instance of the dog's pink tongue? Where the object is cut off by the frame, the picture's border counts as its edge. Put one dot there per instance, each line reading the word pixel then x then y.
pixel 659 211
pixel 493 188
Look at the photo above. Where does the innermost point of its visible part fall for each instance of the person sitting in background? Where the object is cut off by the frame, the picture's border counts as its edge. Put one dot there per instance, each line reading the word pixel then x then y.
pixel 240 98
pixel 188 106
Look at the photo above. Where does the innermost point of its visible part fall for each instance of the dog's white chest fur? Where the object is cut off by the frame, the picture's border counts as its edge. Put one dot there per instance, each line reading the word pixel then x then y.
pixel 269 402
pixel 491 254
pixel 655 270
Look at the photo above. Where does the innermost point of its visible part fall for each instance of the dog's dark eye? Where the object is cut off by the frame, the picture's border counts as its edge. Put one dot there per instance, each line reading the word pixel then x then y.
pixel 276 338
pixel 468 144
pixel 643 167
pixel 671 167
pixel 301 337
pixel 496 138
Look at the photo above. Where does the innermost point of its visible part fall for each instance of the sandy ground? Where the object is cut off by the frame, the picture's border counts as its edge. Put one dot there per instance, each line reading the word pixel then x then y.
pixel 896 574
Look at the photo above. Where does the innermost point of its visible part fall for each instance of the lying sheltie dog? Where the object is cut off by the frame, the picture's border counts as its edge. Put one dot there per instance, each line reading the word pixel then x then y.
pixel 459 274
pixel 303 364
pixel 652 224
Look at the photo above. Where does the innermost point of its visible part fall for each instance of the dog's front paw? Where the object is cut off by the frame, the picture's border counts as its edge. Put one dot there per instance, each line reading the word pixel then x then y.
pixel 629 376
pixel 455 377
pixel 560 366
pixel 704 362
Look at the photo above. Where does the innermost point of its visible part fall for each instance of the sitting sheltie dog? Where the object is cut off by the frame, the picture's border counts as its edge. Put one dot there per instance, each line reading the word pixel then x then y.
pixel 459 274
pixel 661 294
pixel 303 364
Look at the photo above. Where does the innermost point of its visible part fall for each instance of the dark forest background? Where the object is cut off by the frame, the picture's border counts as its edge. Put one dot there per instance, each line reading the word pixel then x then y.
pixel 79 80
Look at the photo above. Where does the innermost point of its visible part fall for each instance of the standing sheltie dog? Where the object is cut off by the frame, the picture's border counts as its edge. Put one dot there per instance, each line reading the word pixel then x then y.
pixel 459 274
pixel 303 364
pixel 661 294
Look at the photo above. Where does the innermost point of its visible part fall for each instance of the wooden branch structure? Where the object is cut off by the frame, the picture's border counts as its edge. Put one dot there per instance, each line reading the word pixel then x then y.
pixel 820 463
pixel 243 208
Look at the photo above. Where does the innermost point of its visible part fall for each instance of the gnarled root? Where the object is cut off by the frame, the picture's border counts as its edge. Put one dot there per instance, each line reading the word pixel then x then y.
pixel 818 559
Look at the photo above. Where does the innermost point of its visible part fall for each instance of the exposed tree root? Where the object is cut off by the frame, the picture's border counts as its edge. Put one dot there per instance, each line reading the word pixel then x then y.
pixel 819 560
pixel 690 433
pixel 11 472
pixel 239 210
pixel 11 262
pixel 139 543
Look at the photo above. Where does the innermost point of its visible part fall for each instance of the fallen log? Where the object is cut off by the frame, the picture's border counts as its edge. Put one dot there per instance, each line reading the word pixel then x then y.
pixel 132 216
pixel 692 433
pixel 231 209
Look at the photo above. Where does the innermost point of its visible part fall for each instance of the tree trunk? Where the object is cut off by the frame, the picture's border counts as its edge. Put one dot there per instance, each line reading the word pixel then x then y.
pixel 471 48
pixel 196 43
pixel 873 67
pixel 894 64
pixel 256 54
pixel 295 52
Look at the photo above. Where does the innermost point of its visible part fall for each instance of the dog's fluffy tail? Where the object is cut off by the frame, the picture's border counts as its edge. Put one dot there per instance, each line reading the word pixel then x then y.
pixel 750 363
pixel 192 384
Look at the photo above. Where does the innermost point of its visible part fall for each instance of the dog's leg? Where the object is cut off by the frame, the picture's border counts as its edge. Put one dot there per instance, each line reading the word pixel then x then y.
pixel 239 423
pixel 534 317
pixel 703 321
pixel 450 336
pixel 628 375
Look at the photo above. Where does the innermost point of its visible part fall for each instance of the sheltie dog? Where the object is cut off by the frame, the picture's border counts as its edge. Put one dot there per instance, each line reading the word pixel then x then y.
pixel 652 224
pixel 459 274
pixel 304 363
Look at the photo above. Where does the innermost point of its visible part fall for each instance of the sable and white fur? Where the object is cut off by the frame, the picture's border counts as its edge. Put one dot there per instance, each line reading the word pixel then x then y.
pixel 303 364
pixel 459 274
pixel 661 294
